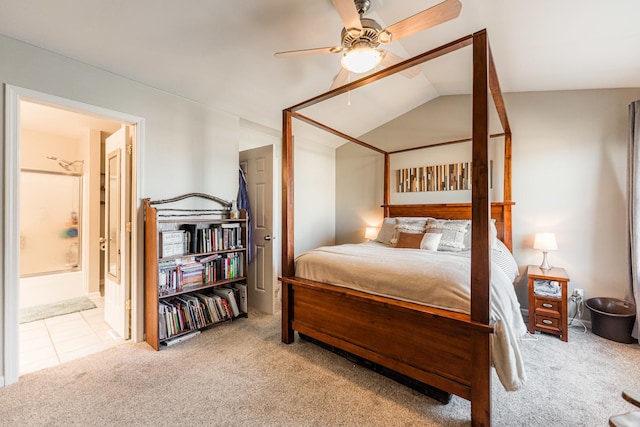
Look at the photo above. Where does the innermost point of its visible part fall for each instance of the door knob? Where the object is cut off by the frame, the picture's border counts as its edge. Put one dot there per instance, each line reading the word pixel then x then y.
pixel 268 237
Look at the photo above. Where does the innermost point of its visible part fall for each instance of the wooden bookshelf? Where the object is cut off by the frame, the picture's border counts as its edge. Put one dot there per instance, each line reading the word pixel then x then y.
pixel 187 289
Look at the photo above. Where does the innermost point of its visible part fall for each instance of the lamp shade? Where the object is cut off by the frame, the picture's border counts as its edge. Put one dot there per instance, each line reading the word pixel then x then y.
pixel 370 233
pixel 545 242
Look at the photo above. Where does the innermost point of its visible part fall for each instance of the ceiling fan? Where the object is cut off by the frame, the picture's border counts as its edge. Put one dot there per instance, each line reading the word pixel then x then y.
pixel 361 37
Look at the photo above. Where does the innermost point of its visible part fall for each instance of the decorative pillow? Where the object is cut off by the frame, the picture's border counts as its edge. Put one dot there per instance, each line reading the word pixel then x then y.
pixel 409 240
pixel 493 231
pixel 430 241
pixel 452 231
pixel 387 231
pixel 414 228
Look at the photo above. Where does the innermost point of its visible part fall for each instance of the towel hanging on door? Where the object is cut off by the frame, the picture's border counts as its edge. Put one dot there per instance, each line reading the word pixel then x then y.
pixel 243 203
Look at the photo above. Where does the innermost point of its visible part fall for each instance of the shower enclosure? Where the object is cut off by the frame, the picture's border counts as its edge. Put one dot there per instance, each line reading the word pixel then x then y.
pixel 50 236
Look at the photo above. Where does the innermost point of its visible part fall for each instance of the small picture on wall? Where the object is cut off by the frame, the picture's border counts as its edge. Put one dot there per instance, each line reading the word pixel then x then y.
pixel 451 177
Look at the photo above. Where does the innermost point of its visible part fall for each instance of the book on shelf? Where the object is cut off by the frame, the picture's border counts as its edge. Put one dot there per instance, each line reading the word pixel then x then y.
pixel 211 311
pixel 229 296
pixel 231 235
pixel 242 296
pixel 190 230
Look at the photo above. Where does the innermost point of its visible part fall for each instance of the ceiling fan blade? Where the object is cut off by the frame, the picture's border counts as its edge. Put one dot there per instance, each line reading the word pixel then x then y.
pixel 349 15
pixel 341 78
pixel 314 51
pixel 391 58
pixel 433 16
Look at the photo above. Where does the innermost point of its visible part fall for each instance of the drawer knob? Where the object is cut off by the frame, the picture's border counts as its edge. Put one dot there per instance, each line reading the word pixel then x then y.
pixel 547 322
pixel 547 305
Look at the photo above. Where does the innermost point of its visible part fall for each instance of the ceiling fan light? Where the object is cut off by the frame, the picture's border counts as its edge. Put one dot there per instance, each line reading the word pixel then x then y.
pixel 361 60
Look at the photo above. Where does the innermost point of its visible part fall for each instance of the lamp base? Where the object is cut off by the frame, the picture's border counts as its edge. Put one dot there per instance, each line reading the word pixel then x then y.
pixel 545 263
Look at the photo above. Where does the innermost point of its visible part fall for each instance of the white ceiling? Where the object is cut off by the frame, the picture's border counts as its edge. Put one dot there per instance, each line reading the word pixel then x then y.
pixel 220 53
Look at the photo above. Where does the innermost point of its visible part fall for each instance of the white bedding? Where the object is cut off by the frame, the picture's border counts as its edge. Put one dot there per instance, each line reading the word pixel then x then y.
pixel 437 279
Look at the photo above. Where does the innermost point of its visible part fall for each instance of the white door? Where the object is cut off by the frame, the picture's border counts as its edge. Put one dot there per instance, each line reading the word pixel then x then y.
pixel 117 271
pixel 258 166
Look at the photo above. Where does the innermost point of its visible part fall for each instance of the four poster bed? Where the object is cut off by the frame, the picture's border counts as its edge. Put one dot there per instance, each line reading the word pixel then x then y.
pixel 447 348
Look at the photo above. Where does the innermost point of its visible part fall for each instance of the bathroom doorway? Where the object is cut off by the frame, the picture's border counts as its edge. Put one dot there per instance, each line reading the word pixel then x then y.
pixel 39 156
pixel 61 292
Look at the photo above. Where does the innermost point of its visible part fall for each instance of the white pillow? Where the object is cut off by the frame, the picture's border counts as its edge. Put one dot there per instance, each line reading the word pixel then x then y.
pixel 430 241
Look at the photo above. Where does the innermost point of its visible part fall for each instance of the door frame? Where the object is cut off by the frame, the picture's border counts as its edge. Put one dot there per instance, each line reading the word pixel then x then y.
pixel 11 230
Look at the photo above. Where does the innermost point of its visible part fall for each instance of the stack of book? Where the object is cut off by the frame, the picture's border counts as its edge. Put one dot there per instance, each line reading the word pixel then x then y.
pixel 190 275
pixel 189 312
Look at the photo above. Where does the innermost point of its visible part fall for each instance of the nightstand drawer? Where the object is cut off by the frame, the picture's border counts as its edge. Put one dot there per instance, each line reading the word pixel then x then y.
pixel 546 322
pixel 548 305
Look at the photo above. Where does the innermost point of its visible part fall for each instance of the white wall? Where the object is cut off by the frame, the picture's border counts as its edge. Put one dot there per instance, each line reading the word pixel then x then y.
pixel 569 177
pixel 569 166
pixel 314 195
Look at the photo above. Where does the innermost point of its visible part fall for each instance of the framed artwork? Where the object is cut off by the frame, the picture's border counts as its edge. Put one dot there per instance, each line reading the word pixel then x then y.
pixel 450 177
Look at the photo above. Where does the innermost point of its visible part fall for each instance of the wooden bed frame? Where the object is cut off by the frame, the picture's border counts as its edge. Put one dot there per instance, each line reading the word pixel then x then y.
pixel 448 350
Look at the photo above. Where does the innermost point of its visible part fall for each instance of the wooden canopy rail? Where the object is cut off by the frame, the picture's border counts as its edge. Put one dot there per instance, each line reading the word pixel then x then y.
pixel 448 350
pixel 440 144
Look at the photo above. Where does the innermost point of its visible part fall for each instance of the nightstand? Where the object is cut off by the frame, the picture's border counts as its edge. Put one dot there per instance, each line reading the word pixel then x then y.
pixel 548 301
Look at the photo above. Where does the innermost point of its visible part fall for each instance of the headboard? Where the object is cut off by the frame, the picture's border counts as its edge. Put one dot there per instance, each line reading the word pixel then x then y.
pixel 500 211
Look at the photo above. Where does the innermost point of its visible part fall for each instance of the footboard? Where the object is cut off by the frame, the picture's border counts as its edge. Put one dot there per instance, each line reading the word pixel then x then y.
pixel 438 347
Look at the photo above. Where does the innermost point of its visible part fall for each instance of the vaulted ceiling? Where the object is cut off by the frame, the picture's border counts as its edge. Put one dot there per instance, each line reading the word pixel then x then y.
pixel 220 53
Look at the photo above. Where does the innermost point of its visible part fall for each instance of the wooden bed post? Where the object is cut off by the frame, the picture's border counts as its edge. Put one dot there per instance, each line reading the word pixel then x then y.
pixel 287 224
pixel 387 184
pixel 508 219
pixel 287 194
pixel 481 242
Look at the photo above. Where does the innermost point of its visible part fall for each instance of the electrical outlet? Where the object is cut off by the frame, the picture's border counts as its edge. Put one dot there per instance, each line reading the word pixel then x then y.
pixel 578 292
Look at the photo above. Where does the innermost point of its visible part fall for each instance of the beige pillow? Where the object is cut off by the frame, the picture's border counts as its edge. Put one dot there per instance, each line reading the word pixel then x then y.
pixel 387 231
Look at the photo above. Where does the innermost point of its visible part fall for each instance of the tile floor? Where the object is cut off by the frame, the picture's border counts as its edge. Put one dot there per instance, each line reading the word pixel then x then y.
pixel 56 340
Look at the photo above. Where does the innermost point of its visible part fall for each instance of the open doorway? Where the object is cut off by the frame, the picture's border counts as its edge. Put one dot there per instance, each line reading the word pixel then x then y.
pixel 61 291
pixel 58 179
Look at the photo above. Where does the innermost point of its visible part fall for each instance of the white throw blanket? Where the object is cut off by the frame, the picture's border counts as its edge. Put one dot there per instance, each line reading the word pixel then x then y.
pixel 436 279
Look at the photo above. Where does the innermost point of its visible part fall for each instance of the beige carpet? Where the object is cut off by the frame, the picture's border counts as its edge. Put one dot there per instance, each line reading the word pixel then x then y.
pixel 240 374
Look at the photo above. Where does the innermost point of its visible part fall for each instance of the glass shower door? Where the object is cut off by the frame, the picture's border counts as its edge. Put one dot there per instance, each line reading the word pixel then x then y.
pixel 50 219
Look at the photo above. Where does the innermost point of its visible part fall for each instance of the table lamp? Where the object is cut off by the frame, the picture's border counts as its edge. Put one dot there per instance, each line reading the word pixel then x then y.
pixel 545 242
pixel 370 233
